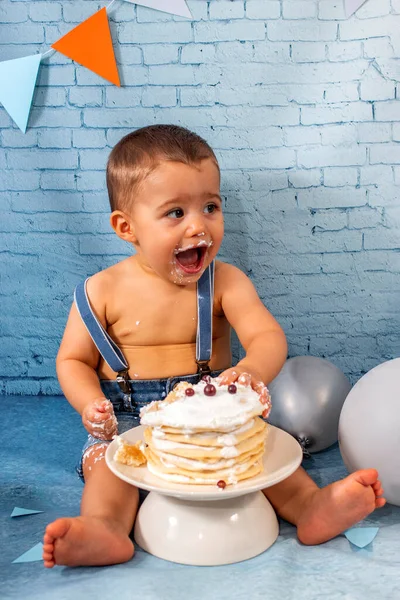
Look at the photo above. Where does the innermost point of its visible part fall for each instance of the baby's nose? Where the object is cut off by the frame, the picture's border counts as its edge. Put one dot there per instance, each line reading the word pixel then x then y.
pixel 195 226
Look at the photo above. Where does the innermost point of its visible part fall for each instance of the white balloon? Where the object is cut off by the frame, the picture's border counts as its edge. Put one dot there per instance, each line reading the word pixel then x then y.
pixel 369 426
pixel 307 397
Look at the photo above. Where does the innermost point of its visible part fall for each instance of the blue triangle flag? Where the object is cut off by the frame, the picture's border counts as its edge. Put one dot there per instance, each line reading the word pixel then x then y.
pixel 31 555
pixel 361 536
pixel 17 84
pixel 21 512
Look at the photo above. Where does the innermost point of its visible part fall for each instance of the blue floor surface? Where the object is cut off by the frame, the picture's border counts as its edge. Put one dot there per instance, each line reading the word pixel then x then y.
pixel 41 443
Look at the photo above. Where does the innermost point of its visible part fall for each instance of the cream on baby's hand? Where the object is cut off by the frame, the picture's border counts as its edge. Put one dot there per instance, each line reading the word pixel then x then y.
pixel 239 375
pixel 99 419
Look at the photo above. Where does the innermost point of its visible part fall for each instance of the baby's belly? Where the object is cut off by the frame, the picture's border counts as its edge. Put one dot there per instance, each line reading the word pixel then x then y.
pixel 158 362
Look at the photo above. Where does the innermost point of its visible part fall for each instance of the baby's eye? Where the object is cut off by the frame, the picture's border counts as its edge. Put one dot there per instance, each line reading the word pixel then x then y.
pixel 210 208
pixel 177 213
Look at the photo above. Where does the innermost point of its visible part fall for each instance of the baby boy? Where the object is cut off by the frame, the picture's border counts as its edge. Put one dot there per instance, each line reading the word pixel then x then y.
pixel 162 315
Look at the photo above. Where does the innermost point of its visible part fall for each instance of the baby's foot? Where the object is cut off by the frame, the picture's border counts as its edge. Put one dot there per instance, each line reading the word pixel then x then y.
pixel 338 506
pixel 85 541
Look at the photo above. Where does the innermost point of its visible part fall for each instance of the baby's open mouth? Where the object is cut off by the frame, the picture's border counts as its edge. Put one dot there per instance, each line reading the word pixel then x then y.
pixel 191 260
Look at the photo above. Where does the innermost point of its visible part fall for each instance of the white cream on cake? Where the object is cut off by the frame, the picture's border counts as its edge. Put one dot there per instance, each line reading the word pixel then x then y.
pixel 221 412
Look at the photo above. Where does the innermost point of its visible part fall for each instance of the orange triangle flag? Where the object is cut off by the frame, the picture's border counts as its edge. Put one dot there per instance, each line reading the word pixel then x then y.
pixel 90 45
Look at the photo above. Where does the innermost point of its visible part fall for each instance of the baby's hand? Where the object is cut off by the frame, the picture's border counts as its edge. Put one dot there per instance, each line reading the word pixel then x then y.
pixel 249 379
pixel 99 419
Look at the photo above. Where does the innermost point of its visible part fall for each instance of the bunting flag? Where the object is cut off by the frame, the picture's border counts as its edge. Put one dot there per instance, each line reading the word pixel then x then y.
pixel 90 45
pixel 22 512
pixel 174 7
pixel 351 6
pixel 17 85
pixel 32 555
pixel 361 536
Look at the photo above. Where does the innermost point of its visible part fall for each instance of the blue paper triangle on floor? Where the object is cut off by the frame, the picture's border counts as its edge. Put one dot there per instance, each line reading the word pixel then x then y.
pixel 21 512
pixel 32 555
pixel 361 536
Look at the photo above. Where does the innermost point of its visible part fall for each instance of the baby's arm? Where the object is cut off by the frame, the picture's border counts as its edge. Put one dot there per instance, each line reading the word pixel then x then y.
pixel 259 333
pixel 76 364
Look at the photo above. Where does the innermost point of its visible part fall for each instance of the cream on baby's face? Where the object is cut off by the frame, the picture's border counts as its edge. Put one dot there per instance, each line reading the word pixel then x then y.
pixel 178 221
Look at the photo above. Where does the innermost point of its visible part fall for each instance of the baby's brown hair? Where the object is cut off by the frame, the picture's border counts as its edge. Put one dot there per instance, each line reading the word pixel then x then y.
pixel 141 151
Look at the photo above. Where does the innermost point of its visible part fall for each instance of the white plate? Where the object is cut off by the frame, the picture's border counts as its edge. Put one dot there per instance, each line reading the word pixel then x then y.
pixel 283 455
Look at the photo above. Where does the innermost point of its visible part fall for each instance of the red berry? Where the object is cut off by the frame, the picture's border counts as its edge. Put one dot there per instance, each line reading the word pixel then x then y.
pixel 189 392
pixel 221 484
pixel 206 378
pixel 210 389
pixel 232 389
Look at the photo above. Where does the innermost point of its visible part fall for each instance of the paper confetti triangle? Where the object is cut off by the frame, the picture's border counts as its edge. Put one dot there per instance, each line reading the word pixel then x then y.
pixel 90 45
pixel 31 555
pixel 174 7
pixel 361 536
pixel 17 84
pixel 351 6
pixel 21 512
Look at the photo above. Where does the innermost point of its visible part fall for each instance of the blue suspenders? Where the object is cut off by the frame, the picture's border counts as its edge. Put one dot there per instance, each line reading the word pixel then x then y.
pixel 205 297
pixel 112 354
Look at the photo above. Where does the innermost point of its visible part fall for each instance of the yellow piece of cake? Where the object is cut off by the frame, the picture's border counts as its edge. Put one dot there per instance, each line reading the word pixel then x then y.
pixel 130 454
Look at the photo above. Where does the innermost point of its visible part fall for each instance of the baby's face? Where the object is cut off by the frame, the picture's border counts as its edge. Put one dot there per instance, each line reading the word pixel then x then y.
pixel 178 222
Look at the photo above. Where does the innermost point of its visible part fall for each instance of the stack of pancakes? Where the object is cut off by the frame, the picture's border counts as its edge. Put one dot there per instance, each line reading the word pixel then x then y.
pixel 205 435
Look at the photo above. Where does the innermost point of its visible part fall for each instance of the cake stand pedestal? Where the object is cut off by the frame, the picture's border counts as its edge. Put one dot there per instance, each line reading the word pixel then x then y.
pixel 203 524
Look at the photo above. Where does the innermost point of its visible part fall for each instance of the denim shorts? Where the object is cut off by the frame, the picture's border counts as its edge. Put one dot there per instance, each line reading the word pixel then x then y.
pixel 143 392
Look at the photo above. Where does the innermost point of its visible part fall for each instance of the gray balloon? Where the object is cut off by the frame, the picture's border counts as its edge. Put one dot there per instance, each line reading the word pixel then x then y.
pixel 369 427
pixel 307 397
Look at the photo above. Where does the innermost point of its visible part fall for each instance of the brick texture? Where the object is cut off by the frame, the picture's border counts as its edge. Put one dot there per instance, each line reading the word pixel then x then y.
pixel 301 106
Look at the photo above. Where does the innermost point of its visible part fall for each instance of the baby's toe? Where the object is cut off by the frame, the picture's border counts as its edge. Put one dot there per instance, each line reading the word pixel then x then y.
pixel 378 489
pixel 49 564
pixel 48 538
pixel 48 547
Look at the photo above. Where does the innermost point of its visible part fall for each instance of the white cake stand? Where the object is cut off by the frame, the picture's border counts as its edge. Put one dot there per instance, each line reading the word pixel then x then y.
pixel 203 524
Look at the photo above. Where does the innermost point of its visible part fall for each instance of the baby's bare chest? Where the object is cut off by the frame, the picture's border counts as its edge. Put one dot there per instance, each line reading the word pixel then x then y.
pixel 158 321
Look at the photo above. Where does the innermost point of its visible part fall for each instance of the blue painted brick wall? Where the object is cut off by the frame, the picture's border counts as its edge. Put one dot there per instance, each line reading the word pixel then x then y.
pixel 302 108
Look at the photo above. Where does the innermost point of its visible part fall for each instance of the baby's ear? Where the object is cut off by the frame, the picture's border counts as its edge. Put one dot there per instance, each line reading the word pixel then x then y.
pixel 123 226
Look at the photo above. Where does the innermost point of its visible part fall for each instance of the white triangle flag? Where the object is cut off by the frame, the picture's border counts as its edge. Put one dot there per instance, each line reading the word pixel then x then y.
pixel 17 84
pixel 351 6
pixel 174 7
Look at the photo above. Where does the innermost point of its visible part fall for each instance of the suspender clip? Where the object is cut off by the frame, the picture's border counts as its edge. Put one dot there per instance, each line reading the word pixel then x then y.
pixel 123 381
pixel 203 368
